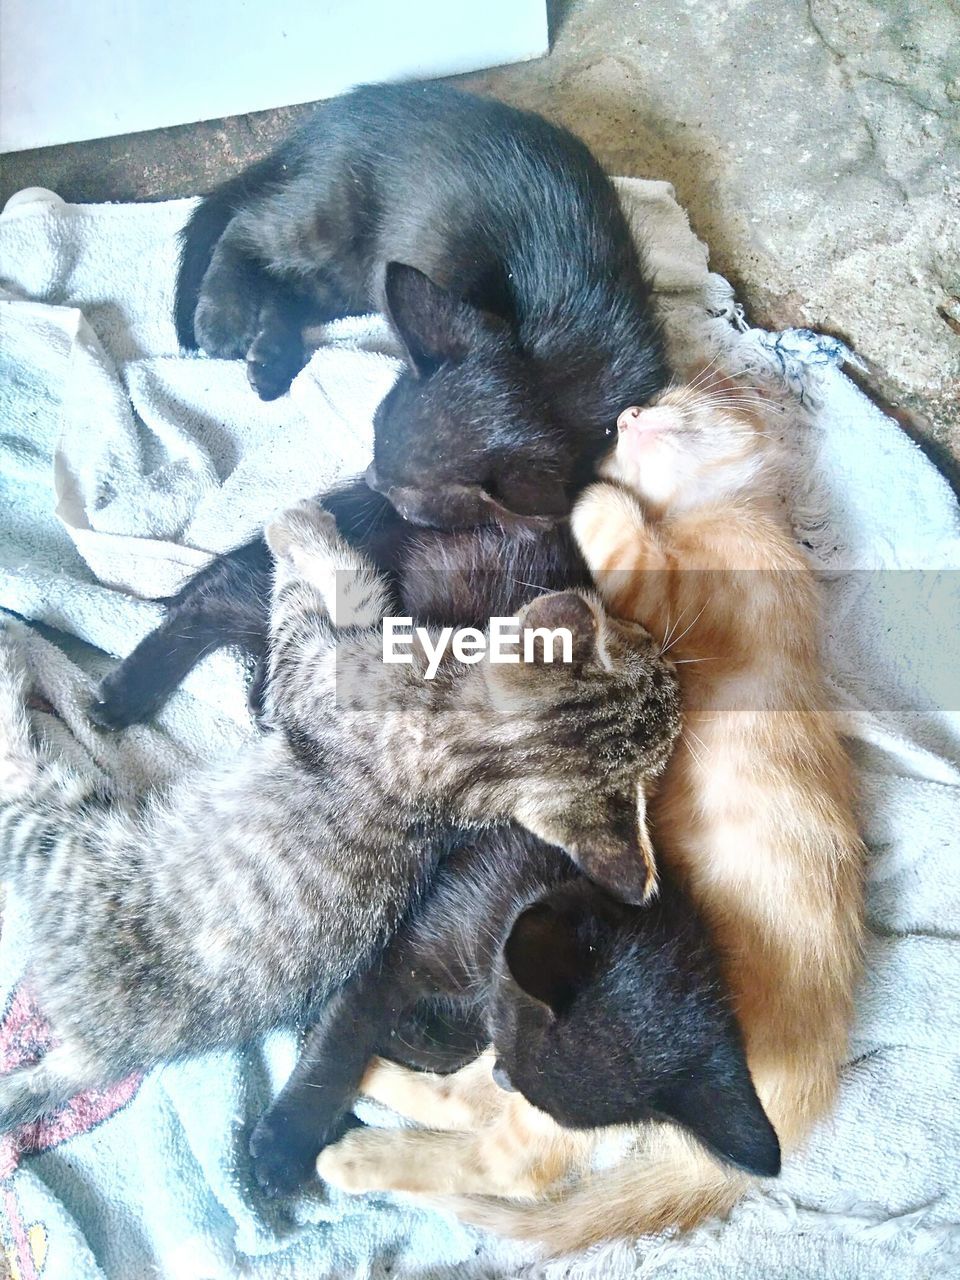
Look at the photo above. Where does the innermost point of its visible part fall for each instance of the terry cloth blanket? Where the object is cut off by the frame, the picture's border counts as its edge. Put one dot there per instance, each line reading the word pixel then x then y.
pixel 125 464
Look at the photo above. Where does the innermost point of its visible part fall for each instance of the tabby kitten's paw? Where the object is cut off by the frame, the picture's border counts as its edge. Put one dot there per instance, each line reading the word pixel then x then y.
pixel 300 530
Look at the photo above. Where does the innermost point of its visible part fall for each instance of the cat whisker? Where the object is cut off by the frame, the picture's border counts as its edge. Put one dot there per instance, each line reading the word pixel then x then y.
pixel 535 585
pixel 704 372
pixel 686 629
pixel 670 631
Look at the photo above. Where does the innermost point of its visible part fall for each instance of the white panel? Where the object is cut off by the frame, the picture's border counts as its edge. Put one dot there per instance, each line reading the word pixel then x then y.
pixel 77 69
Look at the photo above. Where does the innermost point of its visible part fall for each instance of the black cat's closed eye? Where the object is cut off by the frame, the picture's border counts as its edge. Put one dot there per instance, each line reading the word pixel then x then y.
pixel 502 1079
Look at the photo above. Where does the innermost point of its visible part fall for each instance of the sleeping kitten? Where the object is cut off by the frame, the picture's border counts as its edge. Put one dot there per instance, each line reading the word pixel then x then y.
pixel 598 1012
pixel 754 815
pixel 496 247
pixel 208 914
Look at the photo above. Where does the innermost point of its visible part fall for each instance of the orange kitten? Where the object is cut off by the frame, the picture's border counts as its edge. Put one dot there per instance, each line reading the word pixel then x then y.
pixel 685 535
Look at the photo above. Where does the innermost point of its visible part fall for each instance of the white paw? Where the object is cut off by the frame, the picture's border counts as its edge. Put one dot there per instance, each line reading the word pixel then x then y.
pixel 305 527
pixel 348 1166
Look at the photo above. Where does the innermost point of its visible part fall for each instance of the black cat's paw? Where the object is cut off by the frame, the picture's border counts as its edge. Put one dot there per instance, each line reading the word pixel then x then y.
pixel 117 704
pixel 225 322
pixel 273 361
pixel 283 1154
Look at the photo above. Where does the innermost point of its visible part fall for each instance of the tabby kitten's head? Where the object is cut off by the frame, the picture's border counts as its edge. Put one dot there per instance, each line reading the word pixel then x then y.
pixel 692 446
pixel 583 740
pixel 607 1014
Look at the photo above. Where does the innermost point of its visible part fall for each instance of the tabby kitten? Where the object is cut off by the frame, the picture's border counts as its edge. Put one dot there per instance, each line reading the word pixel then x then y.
pixel 496 247
pixel 685 534
pixel 206 915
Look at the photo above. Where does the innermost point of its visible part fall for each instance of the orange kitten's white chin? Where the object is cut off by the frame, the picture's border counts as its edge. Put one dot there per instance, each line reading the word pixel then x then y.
pixel 693 447
pixel 645 457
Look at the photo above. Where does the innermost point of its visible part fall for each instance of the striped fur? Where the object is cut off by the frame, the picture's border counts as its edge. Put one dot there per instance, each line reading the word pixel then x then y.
pixel 202 916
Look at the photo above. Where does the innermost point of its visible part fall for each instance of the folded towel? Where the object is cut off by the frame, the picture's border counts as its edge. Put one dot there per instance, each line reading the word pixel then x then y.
pixel 124 465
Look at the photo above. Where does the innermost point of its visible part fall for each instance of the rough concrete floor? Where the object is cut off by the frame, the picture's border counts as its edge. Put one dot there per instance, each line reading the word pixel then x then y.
pixel 815 143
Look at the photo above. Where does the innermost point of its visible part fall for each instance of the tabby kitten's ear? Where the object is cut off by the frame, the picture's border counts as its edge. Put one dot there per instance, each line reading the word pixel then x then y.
pixel 560 611
pixel 718 1104
pixel 608 840
pixel 433 326
pixel 514 686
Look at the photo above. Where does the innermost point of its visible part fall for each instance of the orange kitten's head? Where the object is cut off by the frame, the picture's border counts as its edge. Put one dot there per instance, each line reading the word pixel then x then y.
pixel 692 446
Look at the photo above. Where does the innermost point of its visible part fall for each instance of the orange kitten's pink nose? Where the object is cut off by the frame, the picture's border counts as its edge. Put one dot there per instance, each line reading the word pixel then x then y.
pixel 654 419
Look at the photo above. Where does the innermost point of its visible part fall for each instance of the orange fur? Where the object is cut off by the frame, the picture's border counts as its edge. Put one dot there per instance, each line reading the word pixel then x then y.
pixel 754 813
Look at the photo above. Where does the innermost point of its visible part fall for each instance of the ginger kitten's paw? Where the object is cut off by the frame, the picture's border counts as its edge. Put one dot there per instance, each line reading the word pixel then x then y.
pixel 365 1160
pixel 300 530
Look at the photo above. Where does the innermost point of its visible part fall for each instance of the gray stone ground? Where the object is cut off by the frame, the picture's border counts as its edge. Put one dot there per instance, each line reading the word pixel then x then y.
pixel 815 143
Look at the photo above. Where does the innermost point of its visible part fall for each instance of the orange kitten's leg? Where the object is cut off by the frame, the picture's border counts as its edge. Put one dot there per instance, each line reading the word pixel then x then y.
pixel 431 1163
pixel 618 546
pixel 465 1099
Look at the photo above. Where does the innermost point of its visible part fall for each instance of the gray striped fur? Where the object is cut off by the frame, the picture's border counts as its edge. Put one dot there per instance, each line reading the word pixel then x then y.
pixel 210 912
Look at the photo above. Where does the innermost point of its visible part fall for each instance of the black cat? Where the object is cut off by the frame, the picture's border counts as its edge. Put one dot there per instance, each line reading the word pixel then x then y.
pixel 498 250
pixel 599 1013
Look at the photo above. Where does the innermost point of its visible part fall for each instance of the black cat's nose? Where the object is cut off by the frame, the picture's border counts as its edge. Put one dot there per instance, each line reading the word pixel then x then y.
pixel 370 475
pixel 501 1078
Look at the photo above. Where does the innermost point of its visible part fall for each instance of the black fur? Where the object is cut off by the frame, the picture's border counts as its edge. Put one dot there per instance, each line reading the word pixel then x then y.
pixel 497 248
pixel 600 1013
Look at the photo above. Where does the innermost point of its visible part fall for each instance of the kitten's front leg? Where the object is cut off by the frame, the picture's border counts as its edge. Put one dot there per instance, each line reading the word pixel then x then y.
pixel 427 1162
pixel 312 1109
pixel 464 1100
pixel 310 552
pixel 618 544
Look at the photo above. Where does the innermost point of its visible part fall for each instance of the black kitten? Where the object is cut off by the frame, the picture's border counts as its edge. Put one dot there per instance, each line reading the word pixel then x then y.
pixel 599 1013
pixel 498 250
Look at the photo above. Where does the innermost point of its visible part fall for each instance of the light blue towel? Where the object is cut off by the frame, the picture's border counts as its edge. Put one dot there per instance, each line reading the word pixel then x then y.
pixel 123 465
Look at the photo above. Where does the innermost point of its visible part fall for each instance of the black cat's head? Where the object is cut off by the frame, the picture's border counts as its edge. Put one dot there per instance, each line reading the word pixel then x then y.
pixel 582 736
pixel 464 437
pixel 606 1014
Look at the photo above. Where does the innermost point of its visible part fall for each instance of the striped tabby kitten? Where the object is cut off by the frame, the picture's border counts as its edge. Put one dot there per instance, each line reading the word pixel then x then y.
pixel 205 915
pixel 754 814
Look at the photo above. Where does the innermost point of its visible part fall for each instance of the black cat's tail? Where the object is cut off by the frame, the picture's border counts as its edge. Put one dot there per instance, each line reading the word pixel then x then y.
pixel 206 225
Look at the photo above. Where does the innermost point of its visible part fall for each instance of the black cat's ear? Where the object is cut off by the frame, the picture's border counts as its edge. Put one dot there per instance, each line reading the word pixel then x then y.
pixel 543 956
pixel 433 325
pixel 566 612
pixel 721 1108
